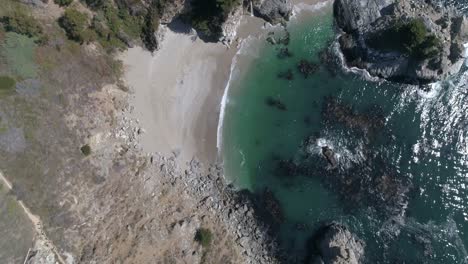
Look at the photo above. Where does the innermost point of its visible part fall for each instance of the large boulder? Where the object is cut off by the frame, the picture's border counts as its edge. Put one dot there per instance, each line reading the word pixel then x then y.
pixel 351 15
pixel 173 9
pixel 404 41
pixel 335 244
pixel 273 11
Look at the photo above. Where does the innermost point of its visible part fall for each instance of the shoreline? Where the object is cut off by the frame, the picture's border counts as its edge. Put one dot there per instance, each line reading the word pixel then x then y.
pixel 179 93
pixel 164 107
pixel 176 92
pixel 300 8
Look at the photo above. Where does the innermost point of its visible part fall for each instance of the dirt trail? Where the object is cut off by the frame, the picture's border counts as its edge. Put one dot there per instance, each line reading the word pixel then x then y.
pixel 38 226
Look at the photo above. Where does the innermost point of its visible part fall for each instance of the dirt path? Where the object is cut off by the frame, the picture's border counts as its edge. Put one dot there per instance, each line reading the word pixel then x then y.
pixel 38 226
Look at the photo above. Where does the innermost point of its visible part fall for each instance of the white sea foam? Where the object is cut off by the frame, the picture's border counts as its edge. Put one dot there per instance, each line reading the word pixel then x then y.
pixel 432 92
pixel 465 54
pixel 361 72
pixel 300 7
pixel 249 48
pixel 224 101
pixel 341 148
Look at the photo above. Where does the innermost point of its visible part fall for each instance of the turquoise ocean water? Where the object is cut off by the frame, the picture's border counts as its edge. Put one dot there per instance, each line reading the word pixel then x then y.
pixel 421 142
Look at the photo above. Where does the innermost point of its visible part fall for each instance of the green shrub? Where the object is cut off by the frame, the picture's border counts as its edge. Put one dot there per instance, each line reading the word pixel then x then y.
pixel 63 2
pixel 150 26
pixel 204 237
pixel 75 25
pixel 411 38
pixel 429 48
pixel 95 4
pixel 113 26
pixel 86 150
pixel 7 84
pixel 411 34
pixel 24 24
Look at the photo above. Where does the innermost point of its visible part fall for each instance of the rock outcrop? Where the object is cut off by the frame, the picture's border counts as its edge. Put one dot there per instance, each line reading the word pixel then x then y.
pixel 173 9
pixel 330 156
pixel 404 41
pixel 335 244
pixel 273 11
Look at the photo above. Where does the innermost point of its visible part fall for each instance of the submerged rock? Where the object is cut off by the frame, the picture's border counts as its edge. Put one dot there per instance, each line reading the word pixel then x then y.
pixel 284 53
pixel 288 168
pixel 362 178
pixel 335 244
pixel 270 101
pixel 307 68
pixel 272 205
pixel 288 75
pixel 283 40
pixel 403 41
pixel 335 111
pixel 330 156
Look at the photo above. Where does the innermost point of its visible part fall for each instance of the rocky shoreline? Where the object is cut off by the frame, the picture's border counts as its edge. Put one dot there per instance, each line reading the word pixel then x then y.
pixel 211 194
pixel 414 42
pixel 150 199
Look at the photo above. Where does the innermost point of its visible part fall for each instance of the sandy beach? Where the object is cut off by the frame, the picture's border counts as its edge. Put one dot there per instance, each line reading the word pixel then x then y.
pixel 178 89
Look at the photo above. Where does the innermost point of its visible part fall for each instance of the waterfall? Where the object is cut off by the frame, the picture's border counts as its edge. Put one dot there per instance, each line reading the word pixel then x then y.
pixel 251 8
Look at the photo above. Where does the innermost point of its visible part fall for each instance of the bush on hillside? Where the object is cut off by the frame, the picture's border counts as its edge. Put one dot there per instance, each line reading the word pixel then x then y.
pixel 75 25
pixel 150 26
pixel 95 4
pixel 86 150
pixel 63 2
pixel 24 24
pixel 204 237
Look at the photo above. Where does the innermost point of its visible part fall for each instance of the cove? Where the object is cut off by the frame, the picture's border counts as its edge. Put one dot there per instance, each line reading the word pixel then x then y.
pixel 401 177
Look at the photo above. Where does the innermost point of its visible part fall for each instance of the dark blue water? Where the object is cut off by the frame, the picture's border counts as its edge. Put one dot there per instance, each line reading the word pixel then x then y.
pixel 401 180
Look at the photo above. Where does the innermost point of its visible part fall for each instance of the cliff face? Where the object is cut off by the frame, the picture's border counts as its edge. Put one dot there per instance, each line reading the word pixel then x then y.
pixel 404 41
pixel 273 11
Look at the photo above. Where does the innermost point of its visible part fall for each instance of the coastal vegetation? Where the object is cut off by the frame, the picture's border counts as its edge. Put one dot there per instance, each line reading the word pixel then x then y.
pixel 207 16
pixel 22 23
pixel 116 25
pixel 204 237
pixel 7 84
pixel 18 51
pixel 411 38
pixel 86 150
pixel 75 24
pixel 63 2
pixel 150 26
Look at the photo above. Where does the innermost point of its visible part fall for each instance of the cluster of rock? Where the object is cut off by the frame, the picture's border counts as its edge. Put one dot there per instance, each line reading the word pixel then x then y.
pixel 273 11
pixel 207 188
pixel 231 207
pixel 364 182
pixel 367 123
pixel 364 20
pixel 335 244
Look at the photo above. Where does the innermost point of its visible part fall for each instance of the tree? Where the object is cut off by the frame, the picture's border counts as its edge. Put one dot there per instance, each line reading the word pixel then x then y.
pixel 24 24
pixel 150 26
pixel 75 24
pixel 412 34
pixel 63 2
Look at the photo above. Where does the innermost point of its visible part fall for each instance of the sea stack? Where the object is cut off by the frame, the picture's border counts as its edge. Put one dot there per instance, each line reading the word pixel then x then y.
pixel 335 244
pixel 415 42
